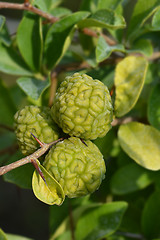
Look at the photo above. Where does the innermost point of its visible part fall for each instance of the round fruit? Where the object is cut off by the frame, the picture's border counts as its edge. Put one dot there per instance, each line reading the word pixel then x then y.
pixel 36 120
pixel 79 168
pixel 83 107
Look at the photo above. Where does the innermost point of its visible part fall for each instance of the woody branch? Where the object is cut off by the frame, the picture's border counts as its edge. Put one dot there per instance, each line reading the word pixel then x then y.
pixel 44 148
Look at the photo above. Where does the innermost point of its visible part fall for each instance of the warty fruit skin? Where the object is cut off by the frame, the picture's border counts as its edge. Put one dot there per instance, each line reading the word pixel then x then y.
pixel 83 107
pixel 36 120
pixel 78 168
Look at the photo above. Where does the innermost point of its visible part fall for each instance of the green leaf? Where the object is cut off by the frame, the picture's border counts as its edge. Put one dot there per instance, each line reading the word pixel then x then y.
pixel 154 107
pixel 105 144
pixel 16 237
pixel 21 176
pixel 66 235
pixel 4 36
pixel 33 87
pixel 76 214
pixel 100 221
pixel 143 46
pixel 60 12
pixel 112 4
pixel 47 5
pixel 11 62
pixel 52 193
pixel 7 109
pixel 130 178
pixel 156 20
pixel 29 39
pixel 6 236
pixel 2 235
pixel 103 18
pixel 142 11
pixel 151 216
pixel 2 21
pixel 141 142
pixel 59 38
pixel 89 5
pixel 103 50
pixel 129 82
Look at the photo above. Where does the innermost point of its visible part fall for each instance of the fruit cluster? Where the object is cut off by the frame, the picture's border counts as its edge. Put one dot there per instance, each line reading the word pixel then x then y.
pixel 82 110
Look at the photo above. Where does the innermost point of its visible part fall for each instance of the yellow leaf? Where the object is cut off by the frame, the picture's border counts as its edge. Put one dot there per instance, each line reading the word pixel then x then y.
pixel 129 81
pixel 142 143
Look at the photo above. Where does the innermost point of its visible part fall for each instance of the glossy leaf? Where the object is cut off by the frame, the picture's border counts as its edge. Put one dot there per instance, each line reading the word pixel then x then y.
pixel 141 142
pixel 33 87
pixel 59 38
pixel 7 109
pixel 21 176
pixel 112 4
pixel 141 13
pixel 76 215
pixel 60 12
pixel 6 236
pixel 2 21
pixel 29 39
pixel 2 235
pixel 129 82
pixel 66 235
pixel 16 237
pixel 100 221
pixel 142 46
pixel 130 178
pixel 11 62
pixel 103 50
pixel 156 20
pixel 4 36
pixel 47 5
pixel 105 144
pixel 154 107
pixel 103 18
pixel 89 5
pixel 151 216
pixel 52 193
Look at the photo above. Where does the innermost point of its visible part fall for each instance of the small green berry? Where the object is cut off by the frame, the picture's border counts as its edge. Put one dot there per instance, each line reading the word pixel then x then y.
pixel 78 167
pixel 36 120
pixel 83 107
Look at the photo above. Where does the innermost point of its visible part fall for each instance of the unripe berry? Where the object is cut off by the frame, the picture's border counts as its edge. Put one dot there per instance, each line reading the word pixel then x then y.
pixel 83 107
pixel 78 168
pixel 36 120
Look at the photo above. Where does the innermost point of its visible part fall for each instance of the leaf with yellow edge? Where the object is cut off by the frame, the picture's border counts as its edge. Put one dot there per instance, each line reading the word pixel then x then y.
pixel 142 143
pixel 50 193
pixel 129 81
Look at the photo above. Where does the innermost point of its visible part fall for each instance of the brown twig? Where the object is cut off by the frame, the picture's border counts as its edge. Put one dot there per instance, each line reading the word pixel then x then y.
pixel 53 87
pixel 92 33
pixel 27 6
pixel 154 56
pixel 29 158
pixel 124 120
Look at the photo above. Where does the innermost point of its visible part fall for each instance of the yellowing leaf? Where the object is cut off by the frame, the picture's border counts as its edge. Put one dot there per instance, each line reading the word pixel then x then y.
pixel 129 81
pixel 142 143
pixel 52 193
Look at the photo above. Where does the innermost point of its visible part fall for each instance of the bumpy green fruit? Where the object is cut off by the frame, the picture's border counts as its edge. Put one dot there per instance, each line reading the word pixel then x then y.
pixel 78 168
pixel 36 120
pixel 83 107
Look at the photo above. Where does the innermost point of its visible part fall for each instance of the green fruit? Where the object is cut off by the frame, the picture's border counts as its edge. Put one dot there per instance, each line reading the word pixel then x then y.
pixel 83 107
pixel 36 120
pixel 78 168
